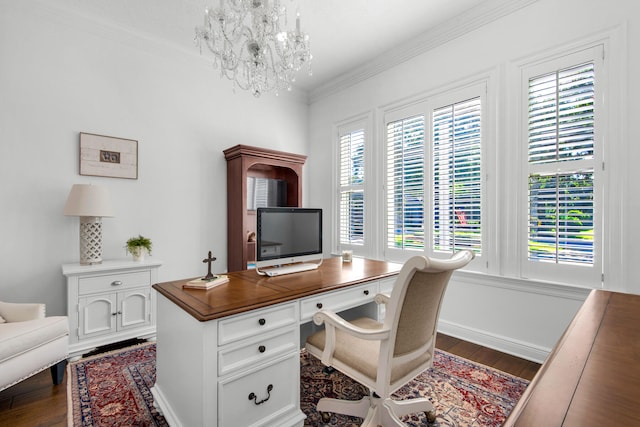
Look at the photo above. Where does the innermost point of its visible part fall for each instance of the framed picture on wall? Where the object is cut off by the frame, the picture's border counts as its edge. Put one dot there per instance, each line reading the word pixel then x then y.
pixel 108 156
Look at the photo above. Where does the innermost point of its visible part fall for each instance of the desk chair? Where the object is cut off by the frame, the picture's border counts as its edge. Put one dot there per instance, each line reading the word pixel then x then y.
pixel 386 356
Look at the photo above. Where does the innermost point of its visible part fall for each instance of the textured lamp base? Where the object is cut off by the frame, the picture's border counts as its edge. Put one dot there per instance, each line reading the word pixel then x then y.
pixel 90 240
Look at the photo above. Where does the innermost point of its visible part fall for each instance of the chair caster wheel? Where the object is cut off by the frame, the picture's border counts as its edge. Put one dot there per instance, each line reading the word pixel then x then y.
pixel 431 417
pixel 328 370
pixel 326 417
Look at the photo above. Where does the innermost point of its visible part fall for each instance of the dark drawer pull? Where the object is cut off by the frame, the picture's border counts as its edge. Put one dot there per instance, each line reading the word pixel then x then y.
pixel 253 397
pixel 366 292
pixel 262 349
pixel 116 283
pixel 261 321
pixel 319 305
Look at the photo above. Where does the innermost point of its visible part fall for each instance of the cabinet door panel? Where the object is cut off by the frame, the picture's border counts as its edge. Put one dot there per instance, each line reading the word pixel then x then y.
pixel 97 315
pixel 134 308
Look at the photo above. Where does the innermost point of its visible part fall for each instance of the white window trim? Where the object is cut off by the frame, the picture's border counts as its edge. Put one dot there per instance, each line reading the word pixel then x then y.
pixel 456 92
pixel 611 154
pixel 361 121
pixel 503 193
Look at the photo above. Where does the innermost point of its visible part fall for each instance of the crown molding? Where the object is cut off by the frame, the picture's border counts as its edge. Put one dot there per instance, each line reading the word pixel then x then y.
pixel 464 23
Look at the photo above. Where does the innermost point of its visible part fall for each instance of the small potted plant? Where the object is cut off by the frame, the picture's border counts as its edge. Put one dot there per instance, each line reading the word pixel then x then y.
pixel 138 247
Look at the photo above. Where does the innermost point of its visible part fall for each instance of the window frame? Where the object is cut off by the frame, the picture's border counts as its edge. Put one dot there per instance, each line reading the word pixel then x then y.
pixel 361 122
pixel 590 276
pixel 425 106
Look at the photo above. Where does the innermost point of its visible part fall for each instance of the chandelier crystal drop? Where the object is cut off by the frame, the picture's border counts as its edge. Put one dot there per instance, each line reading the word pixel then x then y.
pixel 250 46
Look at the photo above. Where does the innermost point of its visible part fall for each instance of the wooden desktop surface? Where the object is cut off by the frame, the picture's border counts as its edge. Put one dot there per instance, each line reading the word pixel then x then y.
pixel 592 376
pixel 246 290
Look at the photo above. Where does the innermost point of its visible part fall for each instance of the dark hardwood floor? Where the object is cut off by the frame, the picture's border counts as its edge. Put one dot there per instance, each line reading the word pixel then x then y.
pixel 504 362
pixel 37 402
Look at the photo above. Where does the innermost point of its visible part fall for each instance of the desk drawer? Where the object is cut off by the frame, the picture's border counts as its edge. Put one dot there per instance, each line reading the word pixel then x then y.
pixel 386 285
pixel 338 301
pixel 257 351
pixel 274 389
pixel 113 282
pixel 256 323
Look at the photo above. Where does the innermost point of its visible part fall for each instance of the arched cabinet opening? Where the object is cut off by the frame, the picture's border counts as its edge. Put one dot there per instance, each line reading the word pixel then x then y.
pixel 256 177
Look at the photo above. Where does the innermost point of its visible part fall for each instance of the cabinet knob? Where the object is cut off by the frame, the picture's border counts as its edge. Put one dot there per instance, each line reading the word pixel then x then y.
pixel 116 283
pixel 262 349
pixel 261 321
pixel 319 305
pixel 366 292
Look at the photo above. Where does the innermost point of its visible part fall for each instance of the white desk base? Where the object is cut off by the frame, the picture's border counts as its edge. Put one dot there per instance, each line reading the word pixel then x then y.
pixel 207 371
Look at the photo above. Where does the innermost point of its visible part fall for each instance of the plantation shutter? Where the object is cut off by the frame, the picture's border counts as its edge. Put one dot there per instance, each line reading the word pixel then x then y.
pixel 352 180
pixel 457 177
pixel 405 183
pixel 561 166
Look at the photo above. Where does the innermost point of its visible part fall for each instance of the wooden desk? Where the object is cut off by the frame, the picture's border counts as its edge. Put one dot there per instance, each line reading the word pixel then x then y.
pixel 592 377
pixel 229 356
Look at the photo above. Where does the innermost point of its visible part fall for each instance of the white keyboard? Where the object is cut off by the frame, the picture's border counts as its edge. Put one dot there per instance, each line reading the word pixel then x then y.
pixel 293 268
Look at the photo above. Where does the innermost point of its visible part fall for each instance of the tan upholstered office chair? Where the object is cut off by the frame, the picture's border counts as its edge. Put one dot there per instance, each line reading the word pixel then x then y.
pixel 385 356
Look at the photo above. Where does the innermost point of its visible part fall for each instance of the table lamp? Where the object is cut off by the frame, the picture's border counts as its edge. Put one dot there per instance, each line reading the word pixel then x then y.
pixel 91 203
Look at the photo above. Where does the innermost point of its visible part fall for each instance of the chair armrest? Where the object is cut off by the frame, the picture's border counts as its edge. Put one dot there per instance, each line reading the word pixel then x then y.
pixel 382 299
pixel 333 320
pixel 20 312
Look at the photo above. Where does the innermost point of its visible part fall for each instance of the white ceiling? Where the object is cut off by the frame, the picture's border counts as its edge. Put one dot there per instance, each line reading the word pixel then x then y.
pixel 344 34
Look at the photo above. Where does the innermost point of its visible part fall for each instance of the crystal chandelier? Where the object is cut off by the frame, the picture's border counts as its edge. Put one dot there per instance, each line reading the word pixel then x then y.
pixel 251 48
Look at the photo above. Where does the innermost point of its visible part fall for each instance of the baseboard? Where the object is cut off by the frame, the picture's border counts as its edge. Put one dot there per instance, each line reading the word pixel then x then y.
pixel 516 348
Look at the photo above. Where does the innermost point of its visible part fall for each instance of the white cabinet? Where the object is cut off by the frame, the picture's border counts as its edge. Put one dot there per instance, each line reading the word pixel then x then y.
pixel 109 302
pixel 250 368
pixel 258 361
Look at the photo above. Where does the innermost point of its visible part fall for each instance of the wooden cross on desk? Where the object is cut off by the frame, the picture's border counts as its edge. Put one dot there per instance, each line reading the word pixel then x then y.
pixel 209 259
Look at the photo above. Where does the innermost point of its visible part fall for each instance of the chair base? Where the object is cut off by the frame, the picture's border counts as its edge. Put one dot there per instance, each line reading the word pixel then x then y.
pixel 377 411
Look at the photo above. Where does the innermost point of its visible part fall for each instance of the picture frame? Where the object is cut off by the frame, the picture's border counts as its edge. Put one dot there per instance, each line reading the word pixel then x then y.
pixel 108 156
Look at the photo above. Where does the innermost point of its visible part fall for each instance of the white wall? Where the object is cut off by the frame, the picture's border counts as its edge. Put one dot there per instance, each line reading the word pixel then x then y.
pixel 503 311
pixel 61 74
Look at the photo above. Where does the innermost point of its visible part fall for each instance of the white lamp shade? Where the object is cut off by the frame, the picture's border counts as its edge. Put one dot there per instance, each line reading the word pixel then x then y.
pixel 88 200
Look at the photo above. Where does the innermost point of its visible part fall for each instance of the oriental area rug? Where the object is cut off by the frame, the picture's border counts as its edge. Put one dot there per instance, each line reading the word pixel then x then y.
pixel 113 389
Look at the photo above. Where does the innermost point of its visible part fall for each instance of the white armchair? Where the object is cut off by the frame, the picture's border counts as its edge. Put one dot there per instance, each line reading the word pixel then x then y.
pixel 385 356
pixel 31 342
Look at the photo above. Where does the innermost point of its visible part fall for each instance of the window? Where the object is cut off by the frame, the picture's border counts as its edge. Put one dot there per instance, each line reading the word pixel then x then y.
pixel 562 177
pixel 457 177
pixel 434 175
pixel 405 183
pixel 352 180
